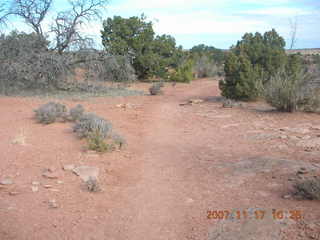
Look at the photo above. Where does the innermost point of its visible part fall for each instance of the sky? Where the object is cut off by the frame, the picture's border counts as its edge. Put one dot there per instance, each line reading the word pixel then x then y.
pixel 218 23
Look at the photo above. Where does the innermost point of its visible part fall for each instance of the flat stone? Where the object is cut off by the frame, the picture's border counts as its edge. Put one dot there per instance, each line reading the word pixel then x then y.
pixel 86 173
pixel 35 183
pixel 68 167
pixel 6 181
pixel 35 188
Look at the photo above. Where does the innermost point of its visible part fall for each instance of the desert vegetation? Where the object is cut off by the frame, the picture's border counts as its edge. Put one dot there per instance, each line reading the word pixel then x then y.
pixel 206 128
pixel 258 67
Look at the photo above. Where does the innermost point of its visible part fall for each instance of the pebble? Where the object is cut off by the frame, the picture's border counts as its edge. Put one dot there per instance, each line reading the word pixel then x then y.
pixel 35 188
pixel 53 203
pixel 288 196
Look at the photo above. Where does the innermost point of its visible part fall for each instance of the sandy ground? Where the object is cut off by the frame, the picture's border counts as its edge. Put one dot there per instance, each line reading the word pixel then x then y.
pixel 181 164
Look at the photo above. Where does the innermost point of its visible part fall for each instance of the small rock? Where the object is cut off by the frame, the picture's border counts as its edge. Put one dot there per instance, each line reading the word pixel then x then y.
pixel 291 179
pixel 35 183
pixel 49 174
pixel 288 196
pixel 284 137
pixel 13 193
pixel 189 200
pixel 54 190
pixel 60 182
pixel 195 101
pixel 86 172
pixel 302 171
pixel 35 188
pixel 68 167
pixel 6 181
pixel 47 186
pixel 53 203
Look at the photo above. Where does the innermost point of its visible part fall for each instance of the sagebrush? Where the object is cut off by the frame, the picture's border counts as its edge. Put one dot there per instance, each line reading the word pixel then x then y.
pixel 51 112
pixel 90 123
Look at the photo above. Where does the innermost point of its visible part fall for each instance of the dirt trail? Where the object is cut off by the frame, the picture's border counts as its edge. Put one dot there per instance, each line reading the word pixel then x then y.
pixel 181 161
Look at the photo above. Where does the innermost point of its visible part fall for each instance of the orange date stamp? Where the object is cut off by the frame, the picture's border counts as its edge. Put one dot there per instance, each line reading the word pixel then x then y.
pixel 257 214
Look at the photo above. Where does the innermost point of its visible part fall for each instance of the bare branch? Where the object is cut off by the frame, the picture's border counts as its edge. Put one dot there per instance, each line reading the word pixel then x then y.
pixel 4 13
pixel 67 24
pixel 33 12
pixel 293 33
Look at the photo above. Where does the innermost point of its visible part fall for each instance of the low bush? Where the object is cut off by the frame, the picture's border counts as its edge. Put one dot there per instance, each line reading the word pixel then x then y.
pixel 206 67
pixel 183 73
pixel 50 112
pixel 92 185
pixel 97 142
pixel 308 189
pixel 92 124
pixel 76 113
pixel 291 92
pixel 155 89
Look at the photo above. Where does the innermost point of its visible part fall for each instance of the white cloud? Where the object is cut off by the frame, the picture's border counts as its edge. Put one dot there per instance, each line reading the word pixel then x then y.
pixel 277 11
pixel 205 23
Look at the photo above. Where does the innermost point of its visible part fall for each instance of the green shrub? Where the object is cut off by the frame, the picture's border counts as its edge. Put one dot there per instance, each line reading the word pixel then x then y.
pixel 155 89
pixel 50 112
pixel 242 81
pixel 76 113
pixel 183 73
pixel 97 142
pixel 251 64
pixel 91 123
pixel 308 189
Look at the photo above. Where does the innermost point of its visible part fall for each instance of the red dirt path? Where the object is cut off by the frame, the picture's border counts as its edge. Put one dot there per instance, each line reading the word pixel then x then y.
pixel 180 162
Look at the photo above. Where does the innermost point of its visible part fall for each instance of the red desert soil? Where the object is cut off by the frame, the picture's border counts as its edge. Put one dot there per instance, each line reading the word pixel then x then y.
pixel 180 162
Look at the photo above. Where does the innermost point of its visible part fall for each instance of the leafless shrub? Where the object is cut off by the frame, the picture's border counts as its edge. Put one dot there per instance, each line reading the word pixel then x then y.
pixel 50 112
pixel 27 64
pixel 33 12
pixel 67 23
pixel 308 189
pixel 204 67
